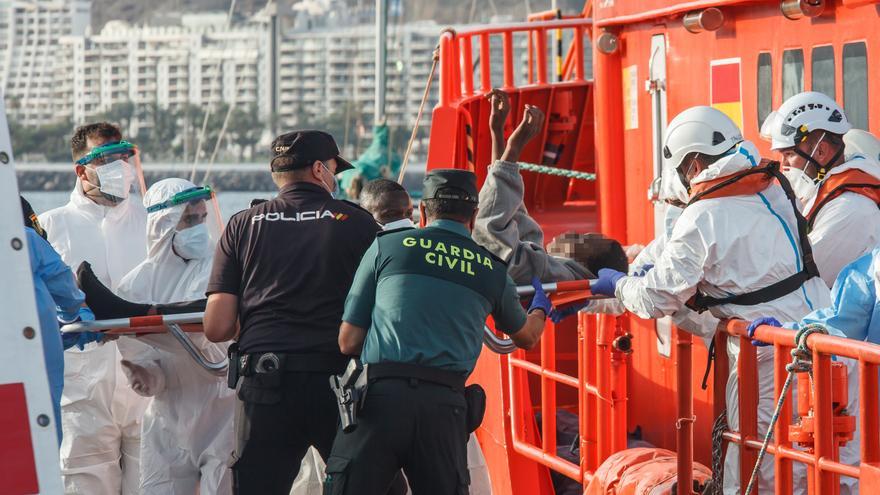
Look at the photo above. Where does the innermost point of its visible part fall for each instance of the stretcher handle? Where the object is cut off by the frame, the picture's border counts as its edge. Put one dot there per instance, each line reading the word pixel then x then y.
pixel 554 287
pixel 496 344
pixel 132 322
pixel 215 368
pixel 172 322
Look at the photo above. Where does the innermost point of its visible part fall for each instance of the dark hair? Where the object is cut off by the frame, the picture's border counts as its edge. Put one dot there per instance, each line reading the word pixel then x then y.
pixel 287 163
pixel 103 130
pixel 449 209
pixel 592 251
pixel 386 200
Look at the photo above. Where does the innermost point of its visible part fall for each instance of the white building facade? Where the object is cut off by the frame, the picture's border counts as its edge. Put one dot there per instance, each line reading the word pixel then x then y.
pixel 202 64
pixel 29 38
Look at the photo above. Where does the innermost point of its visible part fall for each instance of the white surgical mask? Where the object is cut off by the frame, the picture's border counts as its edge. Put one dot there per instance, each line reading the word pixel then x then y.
pixel 332 189
pixel 803 185
pixel 115 178
pixel 192 243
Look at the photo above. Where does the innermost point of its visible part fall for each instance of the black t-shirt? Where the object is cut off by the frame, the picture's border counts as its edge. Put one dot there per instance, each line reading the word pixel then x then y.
pixel 291 262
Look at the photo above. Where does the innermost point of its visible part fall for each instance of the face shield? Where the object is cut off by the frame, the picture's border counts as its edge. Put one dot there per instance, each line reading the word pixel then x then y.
pixel 198 223
pixel 117 167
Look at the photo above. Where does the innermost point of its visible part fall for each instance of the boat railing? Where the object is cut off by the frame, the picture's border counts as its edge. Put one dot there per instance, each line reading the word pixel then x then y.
pixel 457 56
pixel 827 429
pixel 178 325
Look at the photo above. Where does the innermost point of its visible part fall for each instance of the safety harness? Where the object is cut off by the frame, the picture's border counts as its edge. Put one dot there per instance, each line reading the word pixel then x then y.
pixel 853 180
pixel 752 181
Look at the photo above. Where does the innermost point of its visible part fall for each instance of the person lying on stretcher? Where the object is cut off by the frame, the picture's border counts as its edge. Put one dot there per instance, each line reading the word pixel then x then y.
pixel 504 226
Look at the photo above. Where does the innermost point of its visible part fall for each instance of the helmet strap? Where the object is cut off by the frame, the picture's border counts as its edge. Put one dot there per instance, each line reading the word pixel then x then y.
pixel 821 168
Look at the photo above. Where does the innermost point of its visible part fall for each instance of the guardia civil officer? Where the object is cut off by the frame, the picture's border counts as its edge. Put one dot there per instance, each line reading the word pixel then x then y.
pixel 415 314
pixel 281 272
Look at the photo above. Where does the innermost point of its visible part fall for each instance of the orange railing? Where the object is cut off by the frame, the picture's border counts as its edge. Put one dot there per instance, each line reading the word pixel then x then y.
pixel 601 386
pixel 822 461
pixel 459 131
pixel 456 55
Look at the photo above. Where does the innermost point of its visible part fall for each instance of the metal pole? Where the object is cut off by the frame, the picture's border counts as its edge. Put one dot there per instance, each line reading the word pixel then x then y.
pixel 381 57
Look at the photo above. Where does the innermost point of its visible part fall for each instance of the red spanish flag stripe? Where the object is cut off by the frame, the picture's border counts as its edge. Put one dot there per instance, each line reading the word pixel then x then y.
pixel 725 83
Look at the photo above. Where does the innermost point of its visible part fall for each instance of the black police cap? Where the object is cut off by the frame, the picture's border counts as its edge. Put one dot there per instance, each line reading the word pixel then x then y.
pixel 448 183
pixel 305 147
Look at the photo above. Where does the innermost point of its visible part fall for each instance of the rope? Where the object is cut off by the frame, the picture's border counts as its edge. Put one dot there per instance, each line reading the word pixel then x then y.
pixel 802 362
pixel 415 130
pixel 716 484
pixel 562 172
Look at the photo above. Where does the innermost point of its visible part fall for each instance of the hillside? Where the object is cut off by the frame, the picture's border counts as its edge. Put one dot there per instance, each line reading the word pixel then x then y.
pixel 446 12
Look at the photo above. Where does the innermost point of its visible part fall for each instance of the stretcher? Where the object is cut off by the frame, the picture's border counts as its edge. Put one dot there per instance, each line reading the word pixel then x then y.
pixel 178 325
pixel 561 294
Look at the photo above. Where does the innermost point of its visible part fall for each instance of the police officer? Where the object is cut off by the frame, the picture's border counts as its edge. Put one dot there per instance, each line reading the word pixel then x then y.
pixel 415 314
pixel 281 272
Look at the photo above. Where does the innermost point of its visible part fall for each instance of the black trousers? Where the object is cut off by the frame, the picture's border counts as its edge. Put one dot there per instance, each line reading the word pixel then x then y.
pixel 417 426
pixel 277 417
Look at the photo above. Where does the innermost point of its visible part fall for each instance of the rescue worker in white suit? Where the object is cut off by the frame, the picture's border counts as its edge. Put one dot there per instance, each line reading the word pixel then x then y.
pixel 738 249
pixel 839 191
pixel 104 223
pixel 187 428
pixel 861 143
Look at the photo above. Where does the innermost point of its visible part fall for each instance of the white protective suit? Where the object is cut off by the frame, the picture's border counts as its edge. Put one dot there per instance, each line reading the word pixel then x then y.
pixel 187 429
pixel 847 227
pixel 100 414
pixel 723 246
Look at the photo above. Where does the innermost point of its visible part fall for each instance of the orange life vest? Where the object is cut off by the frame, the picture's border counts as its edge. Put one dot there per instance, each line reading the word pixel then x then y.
pixel 749 181
pixel 853 180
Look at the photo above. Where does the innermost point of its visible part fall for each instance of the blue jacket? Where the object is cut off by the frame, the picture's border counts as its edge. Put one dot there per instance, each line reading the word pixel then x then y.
pixel 855 309
pixel 58 298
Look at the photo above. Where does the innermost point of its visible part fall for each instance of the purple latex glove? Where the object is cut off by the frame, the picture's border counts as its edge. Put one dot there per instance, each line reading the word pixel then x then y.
pixel 607 282
pixel 642 270
pixel 764 320
pixel 540 299
pixel 558 315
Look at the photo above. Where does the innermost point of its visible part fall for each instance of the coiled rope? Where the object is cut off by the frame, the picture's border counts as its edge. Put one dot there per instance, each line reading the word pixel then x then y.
pixel 802 362
pixel 561 172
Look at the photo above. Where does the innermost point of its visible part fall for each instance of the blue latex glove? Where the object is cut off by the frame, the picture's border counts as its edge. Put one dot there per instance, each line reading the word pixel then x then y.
pixel 80 339
pixel 764 320
pixel 558 315
pixel 540 299
pixel 642 270
pixel 607 282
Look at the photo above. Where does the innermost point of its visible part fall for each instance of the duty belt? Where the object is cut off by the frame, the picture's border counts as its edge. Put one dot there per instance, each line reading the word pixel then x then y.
pixel 452 379
pixel 267 362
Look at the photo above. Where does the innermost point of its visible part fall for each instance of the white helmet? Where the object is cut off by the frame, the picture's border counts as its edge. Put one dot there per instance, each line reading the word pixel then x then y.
pixel 859 142
pixel 800 115
pixel 699 129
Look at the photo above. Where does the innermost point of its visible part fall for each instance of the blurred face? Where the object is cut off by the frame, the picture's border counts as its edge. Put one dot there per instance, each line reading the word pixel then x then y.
pixel 195 214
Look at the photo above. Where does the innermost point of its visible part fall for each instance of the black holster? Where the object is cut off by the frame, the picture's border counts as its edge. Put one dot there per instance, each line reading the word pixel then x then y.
pixel 233 370
pixel 475 397
pixel 350 388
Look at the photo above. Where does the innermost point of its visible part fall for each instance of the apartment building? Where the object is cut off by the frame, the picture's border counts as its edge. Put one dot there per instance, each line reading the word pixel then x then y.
pixel 200 62
pixel 29 37
pixel 321 70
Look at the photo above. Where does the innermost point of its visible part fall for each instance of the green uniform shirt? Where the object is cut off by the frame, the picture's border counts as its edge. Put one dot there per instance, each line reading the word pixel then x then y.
pixel 424 295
